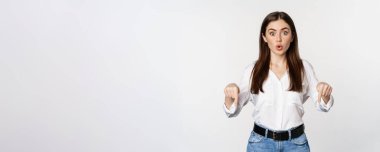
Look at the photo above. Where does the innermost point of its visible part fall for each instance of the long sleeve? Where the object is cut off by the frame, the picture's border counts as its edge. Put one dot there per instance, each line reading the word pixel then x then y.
pixel 312 89
pixel 244 95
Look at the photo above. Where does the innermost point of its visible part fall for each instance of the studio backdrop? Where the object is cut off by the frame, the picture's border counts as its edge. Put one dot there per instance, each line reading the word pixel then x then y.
pixel 141 76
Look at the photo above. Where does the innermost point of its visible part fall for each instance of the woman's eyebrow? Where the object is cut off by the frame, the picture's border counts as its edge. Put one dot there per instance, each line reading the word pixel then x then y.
pixel 285 28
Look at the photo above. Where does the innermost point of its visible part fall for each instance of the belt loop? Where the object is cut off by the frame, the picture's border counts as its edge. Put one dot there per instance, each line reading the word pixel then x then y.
pixel 290 134
pixel 266 133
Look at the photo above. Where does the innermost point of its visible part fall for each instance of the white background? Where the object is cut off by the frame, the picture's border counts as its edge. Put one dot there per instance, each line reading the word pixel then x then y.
pixel 116 75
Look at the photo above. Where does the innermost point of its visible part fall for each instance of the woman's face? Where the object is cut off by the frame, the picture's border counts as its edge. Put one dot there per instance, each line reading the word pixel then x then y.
pixel 278 37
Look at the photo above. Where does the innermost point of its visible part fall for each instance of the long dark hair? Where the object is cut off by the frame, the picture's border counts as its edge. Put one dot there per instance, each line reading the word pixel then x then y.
pixel 261 69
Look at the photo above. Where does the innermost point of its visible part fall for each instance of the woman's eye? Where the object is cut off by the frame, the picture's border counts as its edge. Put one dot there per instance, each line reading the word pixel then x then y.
pixel 271 33
pixel 286 33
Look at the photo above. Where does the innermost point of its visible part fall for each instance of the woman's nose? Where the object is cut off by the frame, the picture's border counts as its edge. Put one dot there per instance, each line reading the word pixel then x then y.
pixel 278 38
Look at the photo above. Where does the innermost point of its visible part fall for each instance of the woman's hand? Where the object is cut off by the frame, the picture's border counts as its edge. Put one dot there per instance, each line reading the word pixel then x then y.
pixel 324 91
pixel 231 92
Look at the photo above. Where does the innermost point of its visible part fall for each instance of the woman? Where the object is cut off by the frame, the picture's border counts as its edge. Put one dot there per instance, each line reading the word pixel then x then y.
pixel 278 84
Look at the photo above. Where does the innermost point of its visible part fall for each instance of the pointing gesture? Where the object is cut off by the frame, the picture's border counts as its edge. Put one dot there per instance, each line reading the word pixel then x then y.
pixel 231 93
pixel 324 91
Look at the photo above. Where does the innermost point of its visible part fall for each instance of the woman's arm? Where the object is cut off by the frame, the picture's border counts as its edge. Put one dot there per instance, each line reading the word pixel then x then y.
pixel 236 96
pixel 319 92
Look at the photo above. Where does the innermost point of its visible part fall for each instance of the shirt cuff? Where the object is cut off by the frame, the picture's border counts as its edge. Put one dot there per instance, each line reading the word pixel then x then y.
pixel 327 106
pixel 231 110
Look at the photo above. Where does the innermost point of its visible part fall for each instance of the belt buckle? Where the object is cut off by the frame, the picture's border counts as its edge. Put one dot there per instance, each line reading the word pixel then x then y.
pixel 274 135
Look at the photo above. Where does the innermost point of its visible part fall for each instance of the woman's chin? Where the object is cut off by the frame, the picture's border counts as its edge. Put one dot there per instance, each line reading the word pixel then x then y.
pixel 279 52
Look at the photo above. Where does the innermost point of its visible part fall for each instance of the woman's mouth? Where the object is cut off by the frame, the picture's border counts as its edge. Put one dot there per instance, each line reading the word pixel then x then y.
pixel 279 47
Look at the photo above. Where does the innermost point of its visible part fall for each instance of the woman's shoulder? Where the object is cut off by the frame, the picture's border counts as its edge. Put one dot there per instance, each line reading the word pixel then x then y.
pixel 251 65
pixel 306 64
pixel 308 68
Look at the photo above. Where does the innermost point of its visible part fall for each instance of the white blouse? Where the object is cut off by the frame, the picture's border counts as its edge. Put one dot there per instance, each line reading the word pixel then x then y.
pixel 277 108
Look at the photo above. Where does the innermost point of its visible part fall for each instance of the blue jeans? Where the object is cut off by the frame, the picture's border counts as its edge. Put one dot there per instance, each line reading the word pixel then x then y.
pixel 258 143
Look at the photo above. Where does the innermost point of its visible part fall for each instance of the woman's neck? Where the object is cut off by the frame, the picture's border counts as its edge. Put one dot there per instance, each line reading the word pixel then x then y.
pixel 278 61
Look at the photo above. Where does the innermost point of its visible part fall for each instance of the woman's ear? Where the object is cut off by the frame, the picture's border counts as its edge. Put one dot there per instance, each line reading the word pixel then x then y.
pixel 265 39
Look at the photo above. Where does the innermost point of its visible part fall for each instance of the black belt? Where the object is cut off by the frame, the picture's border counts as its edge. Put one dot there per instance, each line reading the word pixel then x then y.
pixel 280 135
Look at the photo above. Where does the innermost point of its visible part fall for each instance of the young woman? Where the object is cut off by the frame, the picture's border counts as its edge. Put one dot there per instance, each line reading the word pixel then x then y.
pixel 278 84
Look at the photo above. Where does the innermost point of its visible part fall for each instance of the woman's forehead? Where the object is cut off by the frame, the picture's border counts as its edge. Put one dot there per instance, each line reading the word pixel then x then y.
pixel 278 25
